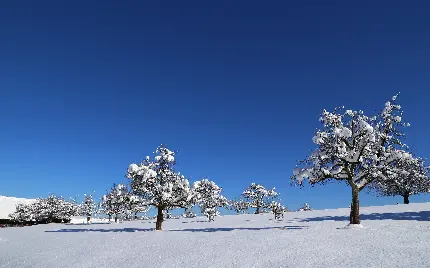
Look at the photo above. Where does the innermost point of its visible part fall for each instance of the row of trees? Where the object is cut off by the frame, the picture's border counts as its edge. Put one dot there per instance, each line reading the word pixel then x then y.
pixel 156 182
pixel 120 201
pixel 362 151
pixel 365 152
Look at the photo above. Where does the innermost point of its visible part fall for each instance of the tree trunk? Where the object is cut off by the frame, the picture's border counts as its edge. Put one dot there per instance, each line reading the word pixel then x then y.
pixel 135 215
pixel 116 217
pixel 88 218
pixel 110 217
pixel 257 211
pixel 159 219
pixel 354 217
pixel 406 199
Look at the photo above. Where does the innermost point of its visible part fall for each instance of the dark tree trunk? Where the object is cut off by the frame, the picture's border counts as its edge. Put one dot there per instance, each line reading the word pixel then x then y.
pixel 110 217
pixel 88 218
pixel 116 218
pixel 257 211
pixel 159 219
pixel 406 199
pixel 135 215
pixel 354 217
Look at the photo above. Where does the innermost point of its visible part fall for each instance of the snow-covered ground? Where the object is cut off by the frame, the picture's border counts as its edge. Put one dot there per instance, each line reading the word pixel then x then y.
pixel 392 236
pixel 7 205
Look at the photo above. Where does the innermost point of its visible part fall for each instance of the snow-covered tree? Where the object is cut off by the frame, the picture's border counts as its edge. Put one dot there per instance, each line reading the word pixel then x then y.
pixel 54 209
pixel 277 209
pixel 356 149
pixel 23 213
pixel 188 213
pixel 134 204
pixel 115 202
pixel 88 207
pixel 50 209
pixel 68 209
pixel 413 179
pixel 240 206
pixel 208 196
pixel 158 183
pixel 305 207
pixel 259 197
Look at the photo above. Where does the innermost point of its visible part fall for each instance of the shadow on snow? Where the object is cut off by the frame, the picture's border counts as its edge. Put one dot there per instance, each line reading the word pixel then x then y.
pixel 209 230
pixel 127 230
pixel 408 216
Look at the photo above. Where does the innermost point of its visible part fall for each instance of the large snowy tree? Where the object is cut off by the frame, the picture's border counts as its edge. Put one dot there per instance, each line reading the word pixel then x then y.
pixel 259 197
pixel 356 149
pixel 208 196
pixel 413 179
pixel 157 182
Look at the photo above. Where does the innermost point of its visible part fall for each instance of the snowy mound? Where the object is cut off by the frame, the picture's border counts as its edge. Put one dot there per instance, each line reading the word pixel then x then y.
pixel 7 205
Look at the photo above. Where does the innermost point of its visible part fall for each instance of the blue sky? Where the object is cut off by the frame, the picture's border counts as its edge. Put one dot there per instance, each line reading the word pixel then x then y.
pixel 235 86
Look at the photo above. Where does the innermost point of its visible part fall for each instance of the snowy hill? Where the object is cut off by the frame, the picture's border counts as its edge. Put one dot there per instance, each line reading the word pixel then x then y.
pixel 7 205
pixel 392 236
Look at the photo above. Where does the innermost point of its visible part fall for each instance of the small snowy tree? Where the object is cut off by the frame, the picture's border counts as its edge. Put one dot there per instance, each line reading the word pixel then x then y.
pixel 68 209
pixel 158 183
pixel 208 196
pixel 135 204
pixel 277 209
pixel 411 180
pixel 356 149
pixel 305 207
pixel 239 206
pixel 115 202
pixel 188 213
pixel 259 197
pixel 88 207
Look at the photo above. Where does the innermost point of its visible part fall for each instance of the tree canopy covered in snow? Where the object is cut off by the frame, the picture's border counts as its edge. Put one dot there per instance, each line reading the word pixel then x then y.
pixel 357 149
pixel 115 201
pixel 259 197
pixel 88 206
pixel 305 207
pixel 157 182
pixel 208 196
pixel 277 209
pixel 411 180
pixel 239 206
pixel 50 209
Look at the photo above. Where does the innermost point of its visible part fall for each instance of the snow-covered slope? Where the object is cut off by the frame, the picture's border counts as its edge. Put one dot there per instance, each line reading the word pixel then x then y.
pixel 392 236
pixel 7 205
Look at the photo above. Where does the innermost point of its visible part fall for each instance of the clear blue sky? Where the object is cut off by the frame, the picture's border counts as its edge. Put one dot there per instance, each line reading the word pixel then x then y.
pixel 89 87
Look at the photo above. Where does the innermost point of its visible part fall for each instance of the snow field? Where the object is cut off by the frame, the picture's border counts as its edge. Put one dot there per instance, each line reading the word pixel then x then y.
pixel 392 236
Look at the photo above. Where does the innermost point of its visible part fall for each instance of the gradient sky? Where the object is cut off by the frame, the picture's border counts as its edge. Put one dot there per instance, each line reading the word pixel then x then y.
pixel 88 87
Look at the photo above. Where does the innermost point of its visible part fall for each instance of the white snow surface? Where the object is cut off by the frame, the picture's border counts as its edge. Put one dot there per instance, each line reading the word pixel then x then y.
pixel 390 236
pixel 83 220
pixel 7 205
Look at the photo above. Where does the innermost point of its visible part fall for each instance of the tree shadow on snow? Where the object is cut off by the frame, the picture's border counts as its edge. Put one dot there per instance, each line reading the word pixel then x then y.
pixel 210 230
pixel 127 230
pixel 408 216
